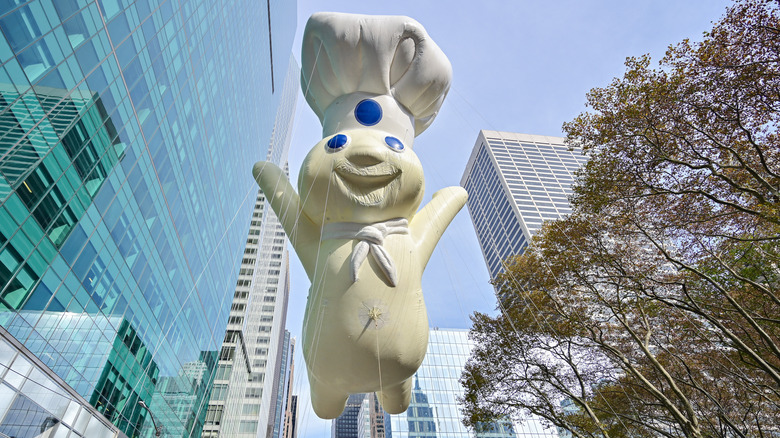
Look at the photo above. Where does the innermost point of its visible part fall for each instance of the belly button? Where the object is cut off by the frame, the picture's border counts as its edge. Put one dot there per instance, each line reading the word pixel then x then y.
pixel 374 314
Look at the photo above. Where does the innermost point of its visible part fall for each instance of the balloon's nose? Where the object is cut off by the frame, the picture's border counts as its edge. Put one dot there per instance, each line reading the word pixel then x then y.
pixel 363 158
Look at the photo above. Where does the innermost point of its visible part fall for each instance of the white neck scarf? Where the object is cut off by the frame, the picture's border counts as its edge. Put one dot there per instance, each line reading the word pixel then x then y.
pixel 371 237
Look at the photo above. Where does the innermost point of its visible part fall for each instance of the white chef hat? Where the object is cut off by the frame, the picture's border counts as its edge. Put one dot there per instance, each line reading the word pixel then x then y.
pixel 388 61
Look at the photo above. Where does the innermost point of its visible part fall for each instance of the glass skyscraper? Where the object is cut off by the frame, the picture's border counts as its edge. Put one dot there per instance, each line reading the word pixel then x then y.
pixel 346 425
pixel 282 382
pixel 434 411
pixel 26 388
pixel 371 418
pixel 515 182
pixel 246 399
pixel 127 133
pixel 291 417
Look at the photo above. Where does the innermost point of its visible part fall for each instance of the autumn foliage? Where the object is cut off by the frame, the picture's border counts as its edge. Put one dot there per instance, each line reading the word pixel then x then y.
pixel 654 309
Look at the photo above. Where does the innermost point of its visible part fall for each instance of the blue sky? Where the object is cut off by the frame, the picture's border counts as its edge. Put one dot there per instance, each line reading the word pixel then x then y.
pixel 519 66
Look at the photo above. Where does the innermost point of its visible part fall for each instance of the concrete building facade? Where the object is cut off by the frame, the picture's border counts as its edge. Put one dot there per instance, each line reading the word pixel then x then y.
pixel 516 182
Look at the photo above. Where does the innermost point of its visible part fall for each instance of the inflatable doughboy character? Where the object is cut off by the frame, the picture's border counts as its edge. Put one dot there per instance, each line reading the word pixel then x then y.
pixel 375 82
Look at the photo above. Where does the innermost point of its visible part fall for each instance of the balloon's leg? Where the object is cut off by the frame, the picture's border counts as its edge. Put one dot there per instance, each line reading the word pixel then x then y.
pixel 395 399
pixel 326 401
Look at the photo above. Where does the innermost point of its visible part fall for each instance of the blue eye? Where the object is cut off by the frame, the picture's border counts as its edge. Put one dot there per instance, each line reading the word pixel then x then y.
pixel 368 112
pixel 394 144
pixel 337 142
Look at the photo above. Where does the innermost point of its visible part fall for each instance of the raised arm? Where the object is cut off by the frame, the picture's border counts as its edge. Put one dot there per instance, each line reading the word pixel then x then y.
pixel 429 224
pixel 286 204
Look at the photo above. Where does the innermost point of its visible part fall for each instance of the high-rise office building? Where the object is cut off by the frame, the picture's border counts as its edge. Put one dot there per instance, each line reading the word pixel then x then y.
pixel 434 411
pixel 34 401
pixel 363 420
pixel 285 409
pixel 371 418
pixel 282 387
pixel 246 397
pixel 346 425
pixel 127 133
pixel 515 182
pixel 291 418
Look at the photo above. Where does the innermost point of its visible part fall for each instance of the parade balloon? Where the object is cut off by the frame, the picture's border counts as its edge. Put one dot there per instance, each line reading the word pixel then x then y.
pixel 375 82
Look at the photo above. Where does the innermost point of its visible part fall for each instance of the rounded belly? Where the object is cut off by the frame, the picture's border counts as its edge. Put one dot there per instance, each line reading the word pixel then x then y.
pixel 366 336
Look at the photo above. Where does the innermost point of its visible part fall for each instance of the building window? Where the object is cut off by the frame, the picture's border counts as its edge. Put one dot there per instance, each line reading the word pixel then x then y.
pixel 254 392
pixel 227 353
pixel 219 392
pixel 214 415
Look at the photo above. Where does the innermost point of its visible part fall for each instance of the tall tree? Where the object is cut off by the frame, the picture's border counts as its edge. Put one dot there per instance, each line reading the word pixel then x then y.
pixel 654 309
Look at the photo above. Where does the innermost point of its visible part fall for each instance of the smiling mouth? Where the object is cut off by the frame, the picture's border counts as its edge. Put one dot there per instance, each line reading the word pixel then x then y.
pixel 367 185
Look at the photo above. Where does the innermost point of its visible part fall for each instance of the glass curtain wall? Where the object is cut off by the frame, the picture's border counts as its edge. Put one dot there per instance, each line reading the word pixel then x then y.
pixel 127 133
pixel 434 411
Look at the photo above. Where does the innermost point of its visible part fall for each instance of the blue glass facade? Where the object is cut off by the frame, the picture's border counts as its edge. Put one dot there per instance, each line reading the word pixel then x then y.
pixel 242 404
pixel 126 133
pixel 34 402
pixel 346 425
pixel 283 383
pixel 434 411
